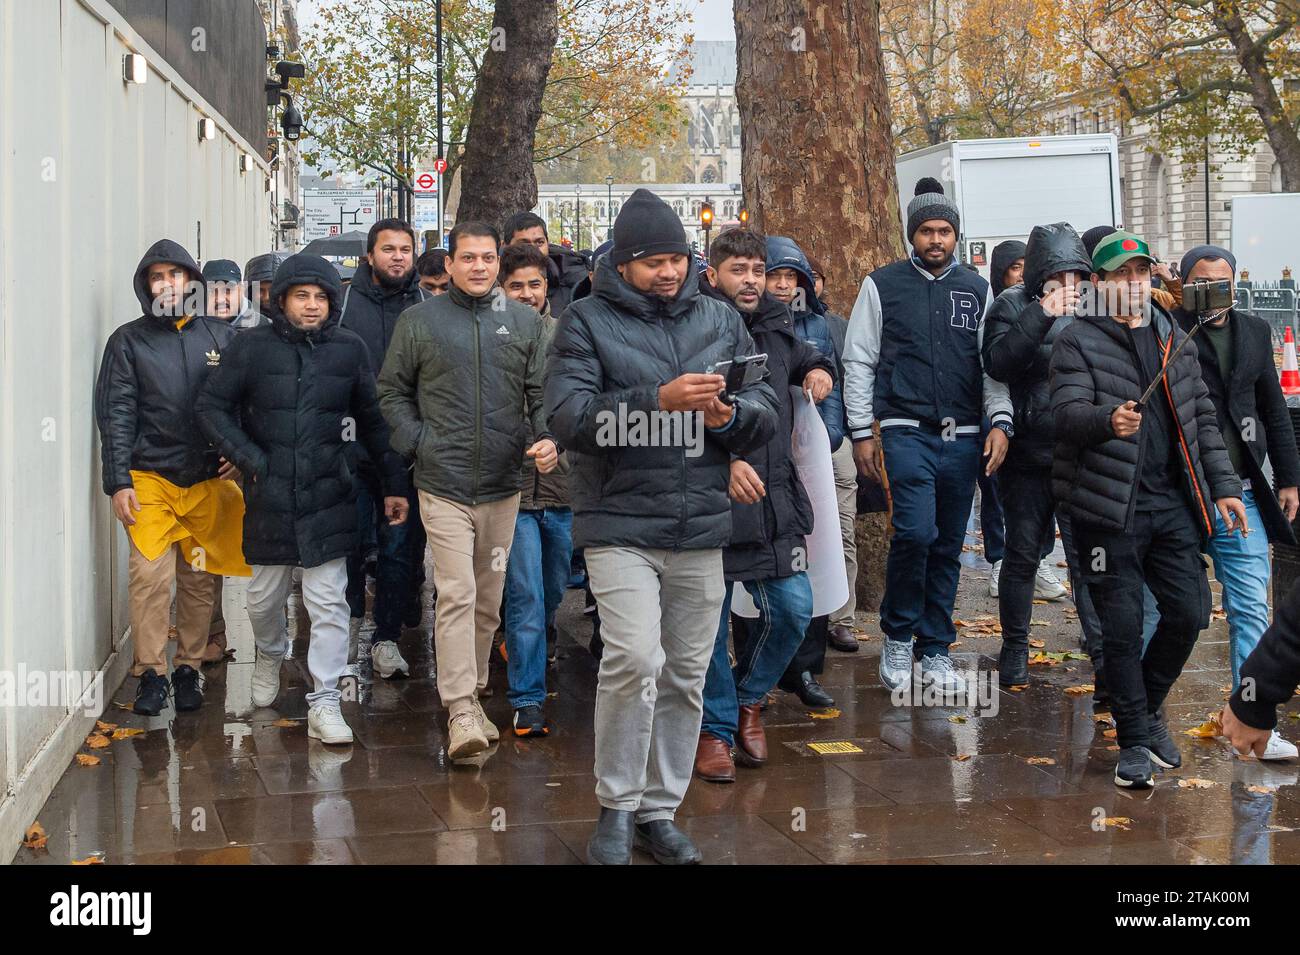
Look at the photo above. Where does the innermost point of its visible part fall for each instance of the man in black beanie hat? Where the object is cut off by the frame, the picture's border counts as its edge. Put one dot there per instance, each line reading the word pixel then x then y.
pixel 629 375
pixel 1236 353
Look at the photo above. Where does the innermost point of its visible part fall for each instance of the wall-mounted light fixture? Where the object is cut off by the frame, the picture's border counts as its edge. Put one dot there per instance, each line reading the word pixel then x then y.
pixel 134 68
pixel 207 129
pixel 245 163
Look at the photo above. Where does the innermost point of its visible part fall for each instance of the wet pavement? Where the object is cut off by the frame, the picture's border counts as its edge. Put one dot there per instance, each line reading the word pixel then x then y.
pixel 233 783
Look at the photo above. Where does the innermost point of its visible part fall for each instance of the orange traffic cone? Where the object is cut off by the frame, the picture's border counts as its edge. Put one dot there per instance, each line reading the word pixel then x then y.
pixel 1290 370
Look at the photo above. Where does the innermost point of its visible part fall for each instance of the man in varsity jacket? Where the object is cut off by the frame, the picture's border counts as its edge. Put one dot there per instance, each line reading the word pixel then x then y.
pixel 912 364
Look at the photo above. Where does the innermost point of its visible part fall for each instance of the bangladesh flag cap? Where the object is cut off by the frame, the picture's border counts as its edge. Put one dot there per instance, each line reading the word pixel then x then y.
pixel 1116 249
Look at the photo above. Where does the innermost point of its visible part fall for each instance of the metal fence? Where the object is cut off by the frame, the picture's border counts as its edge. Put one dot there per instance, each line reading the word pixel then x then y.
pixel 1275 302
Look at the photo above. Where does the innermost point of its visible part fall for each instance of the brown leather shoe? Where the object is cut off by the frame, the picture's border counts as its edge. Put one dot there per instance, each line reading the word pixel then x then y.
pixel 751 741
pixel 713 761
pixel 842 639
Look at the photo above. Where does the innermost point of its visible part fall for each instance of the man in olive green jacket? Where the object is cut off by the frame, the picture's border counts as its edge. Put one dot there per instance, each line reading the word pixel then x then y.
pixel 460 387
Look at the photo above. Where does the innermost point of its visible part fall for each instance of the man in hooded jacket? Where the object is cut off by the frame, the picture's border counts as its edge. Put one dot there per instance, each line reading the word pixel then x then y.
pixel 790 279
pixel 284 406
pixel 1022 325
pixel 168 484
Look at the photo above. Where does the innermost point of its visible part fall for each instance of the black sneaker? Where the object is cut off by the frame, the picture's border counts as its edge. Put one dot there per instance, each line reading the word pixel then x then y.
pixel 1164 752
pixel 530 721
pixel 1133 771
pixel 151 694
pixel 187 688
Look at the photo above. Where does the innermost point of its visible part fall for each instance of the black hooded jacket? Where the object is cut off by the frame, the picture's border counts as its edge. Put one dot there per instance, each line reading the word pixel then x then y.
pixel 1004 254
pixel 611 353
pixel 148 379
pixel 764 536
pixel 1252 404
pixel 284 406
pixel 1094 473
pixel 565 272
pixel 1018 339
pixel 371 310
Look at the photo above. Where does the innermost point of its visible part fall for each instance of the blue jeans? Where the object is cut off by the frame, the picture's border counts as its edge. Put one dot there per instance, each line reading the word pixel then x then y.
pixel 536 577
pixel 784 609
pixel 933 485
pixel 399 566
pixel 1242 568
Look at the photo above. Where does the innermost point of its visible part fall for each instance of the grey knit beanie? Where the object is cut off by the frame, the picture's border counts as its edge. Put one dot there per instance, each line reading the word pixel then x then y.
pixel 929 202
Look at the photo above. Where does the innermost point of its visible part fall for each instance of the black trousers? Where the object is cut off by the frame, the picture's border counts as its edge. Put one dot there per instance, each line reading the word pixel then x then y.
pixel 1031 519
pixel 811 655
pixel 1164 552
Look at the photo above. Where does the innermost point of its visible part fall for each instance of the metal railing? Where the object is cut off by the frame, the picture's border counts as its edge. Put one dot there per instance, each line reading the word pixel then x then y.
pixel 1275 302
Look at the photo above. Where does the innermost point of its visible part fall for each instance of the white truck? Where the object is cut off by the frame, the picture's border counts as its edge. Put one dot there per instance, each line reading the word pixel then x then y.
pixel 1005 187
pixel 1263 230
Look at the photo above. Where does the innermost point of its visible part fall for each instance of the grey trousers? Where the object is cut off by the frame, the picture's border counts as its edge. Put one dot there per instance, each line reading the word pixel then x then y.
pixel 659 614
pixel 846 496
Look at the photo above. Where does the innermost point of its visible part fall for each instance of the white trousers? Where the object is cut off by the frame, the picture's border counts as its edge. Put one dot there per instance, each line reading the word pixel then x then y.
pixel 324 591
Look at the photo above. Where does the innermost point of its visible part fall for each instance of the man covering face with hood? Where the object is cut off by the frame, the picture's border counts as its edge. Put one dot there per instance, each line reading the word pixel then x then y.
pixel 168 485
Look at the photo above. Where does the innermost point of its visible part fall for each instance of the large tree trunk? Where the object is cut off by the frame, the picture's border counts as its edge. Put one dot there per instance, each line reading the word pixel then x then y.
pixel 817 151
pixel 1282 135
pixel 817 156
pixel 497 167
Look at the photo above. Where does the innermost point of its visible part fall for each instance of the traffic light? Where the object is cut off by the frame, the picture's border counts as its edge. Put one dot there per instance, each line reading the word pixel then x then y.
pixel 706 214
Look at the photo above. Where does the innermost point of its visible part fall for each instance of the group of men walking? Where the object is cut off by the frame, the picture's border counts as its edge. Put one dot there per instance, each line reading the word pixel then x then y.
pixel 509 408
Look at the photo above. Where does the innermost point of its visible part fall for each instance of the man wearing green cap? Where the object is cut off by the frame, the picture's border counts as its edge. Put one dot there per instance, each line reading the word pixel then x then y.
pixel 1141 484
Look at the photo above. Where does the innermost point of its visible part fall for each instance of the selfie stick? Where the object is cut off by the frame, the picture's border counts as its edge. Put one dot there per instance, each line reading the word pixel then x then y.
pixel 1200 322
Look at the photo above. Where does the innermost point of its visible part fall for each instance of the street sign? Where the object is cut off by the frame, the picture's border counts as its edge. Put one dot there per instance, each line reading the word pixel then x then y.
pixel 440 165
pixel 327 212
pixel 426 182
pixel 424 212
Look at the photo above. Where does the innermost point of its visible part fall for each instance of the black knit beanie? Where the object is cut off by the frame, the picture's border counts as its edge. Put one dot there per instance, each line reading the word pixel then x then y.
pixel 646 225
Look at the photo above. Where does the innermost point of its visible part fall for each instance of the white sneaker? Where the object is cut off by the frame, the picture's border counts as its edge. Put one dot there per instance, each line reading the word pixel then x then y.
pixel 896 663
pixel 1047 586
pixel 465 735
pixel 266 678
pixel 939 671
pixel 325 722
pixel 993 578
pixel 1278 748
pixel 387 660
pixel 489 728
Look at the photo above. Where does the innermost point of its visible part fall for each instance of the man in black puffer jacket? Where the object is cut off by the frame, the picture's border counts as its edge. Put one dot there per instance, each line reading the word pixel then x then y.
pixel 771 518
pixel 385 285
pixel 626 374
pixel 283 406
pixel 166 481
pixel 1022 326
pixel 1140 486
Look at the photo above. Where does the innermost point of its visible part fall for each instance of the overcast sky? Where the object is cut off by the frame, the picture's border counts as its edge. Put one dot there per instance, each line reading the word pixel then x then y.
pixel 712 17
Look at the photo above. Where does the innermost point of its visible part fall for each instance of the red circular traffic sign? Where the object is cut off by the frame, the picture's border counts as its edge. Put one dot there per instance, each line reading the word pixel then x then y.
pixel 440 164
